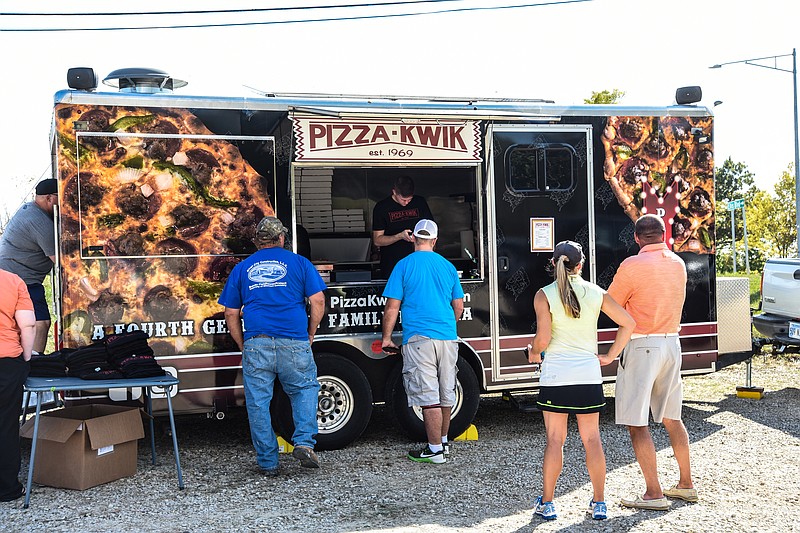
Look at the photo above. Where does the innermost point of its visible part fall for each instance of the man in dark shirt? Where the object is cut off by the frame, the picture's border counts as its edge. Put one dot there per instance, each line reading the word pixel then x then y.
pixel 393 220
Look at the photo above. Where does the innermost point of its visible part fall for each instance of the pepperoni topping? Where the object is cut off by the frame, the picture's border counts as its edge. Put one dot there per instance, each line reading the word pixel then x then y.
pixel 699 203
pixel 635 170
pixel 631 129
pixel 656 146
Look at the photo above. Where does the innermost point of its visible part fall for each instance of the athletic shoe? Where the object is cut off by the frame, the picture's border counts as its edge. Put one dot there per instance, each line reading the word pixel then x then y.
pixel 545 509
pixel 446 446
pixel 425 455
pixel 306 456
pixel 598 510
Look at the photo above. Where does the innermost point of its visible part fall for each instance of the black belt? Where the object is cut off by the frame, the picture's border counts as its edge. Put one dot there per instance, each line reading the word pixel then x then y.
pixel 263 336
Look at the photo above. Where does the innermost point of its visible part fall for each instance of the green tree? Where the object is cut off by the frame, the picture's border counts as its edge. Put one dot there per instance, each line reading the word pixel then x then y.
pixel 785 209
pixel 733 181
pixel 771 219
pixel 605 97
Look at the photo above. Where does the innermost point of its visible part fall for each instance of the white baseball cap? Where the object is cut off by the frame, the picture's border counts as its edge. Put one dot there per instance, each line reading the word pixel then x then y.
pixel 426 229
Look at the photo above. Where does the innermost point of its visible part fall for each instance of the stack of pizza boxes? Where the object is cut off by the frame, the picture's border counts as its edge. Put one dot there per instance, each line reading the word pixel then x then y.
pixel 314 199
pixel 348 220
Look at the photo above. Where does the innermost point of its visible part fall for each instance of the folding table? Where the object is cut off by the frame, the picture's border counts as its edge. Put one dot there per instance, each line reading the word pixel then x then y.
pixel 38 385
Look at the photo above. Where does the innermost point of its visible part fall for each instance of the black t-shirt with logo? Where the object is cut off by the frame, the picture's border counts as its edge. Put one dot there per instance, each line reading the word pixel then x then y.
pixel 393 218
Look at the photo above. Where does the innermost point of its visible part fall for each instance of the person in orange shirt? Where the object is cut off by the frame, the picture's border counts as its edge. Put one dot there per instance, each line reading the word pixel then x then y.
pixel 651 286
pixel 17 331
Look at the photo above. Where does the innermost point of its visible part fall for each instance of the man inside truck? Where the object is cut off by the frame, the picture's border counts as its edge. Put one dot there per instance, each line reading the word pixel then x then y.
pixel 28 249
pixel 393 220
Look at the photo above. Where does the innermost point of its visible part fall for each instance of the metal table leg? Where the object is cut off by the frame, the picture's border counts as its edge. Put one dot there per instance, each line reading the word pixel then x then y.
pixel 26 401
pixel 148 391
pixel 174 437
pixel 33 450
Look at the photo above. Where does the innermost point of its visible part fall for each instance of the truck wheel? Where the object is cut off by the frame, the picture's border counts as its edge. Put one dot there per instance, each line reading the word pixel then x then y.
pixel 410 418
pixel 344 406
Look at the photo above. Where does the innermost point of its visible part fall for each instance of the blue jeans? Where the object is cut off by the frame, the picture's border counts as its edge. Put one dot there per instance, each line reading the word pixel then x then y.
pixel 292 362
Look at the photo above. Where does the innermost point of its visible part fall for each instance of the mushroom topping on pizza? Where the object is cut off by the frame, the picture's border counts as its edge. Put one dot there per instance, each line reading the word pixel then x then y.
pixel 664 166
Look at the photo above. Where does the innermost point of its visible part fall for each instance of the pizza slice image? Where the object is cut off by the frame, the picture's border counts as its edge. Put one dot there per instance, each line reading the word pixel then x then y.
pixel 664 168
pixel 159 210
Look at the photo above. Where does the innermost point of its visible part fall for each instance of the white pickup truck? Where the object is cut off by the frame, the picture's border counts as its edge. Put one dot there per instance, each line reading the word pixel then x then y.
pixel 779 319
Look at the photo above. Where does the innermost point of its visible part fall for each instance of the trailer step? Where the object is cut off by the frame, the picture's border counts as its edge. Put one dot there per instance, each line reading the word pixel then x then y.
pixel 528 406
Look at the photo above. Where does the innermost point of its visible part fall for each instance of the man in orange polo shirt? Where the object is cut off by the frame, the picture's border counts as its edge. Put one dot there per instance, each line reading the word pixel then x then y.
pixel 17 331
pixel 651 286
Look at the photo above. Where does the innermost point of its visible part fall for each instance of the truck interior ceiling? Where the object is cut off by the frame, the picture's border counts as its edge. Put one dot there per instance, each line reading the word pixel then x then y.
pixel 334 205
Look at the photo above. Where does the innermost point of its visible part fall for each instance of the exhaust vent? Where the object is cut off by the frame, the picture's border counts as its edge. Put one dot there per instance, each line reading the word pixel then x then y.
pixel 142 80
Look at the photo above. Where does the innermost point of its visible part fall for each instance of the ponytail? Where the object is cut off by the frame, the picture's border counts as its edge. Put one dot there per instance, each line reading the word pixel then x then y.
pixel 565 291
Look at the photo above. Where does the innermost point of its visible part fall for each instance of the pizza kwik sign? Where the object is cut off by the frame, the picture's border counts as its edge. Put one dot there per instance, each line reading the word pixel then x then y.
pixel 327 139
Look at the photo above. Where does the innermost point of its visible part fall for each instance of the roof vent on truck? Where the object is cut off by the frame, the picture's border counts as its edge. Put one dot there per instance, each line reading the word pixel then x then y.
pixel 143 80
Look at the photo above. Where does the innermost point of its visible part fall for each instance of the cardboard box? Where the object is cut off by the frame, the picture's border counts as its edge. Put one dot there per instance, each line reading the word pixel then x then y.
pixel 84 446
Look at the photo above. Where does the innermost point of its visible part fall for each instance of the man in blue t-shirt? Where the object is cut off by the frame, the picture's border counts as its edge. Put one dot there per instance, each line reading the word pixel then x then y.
pixel 424 286
pixel 269 289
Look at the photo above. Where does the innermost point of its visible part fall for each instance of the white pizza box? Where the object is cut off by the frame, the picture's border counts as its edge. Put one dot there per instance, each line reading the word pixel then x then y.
pixel 315 203
pixel 349 222
pixel 354 218
pixel 311 217
pixel 313 178
pixel 349 228
pixel 308 182
pixel 359 212
pixel 309 195
pixel 303 190
pixel 318 229
pixel 316 172
pixel 317 210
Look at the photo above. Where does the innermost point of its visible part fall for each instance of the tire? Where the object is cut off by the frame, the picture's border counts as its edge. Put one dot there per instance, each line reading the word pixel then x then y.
pixel 343 409
pixel 409 419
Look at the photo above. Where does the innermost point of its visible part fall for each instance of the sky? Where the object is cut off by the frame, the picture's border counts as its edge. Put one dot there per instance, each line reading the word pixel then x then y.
pixel 559 51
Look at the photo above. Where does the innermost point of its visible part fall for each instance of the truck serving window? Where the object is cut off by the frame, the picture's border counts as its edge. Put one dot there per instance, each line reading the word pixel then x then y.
pixel 537 169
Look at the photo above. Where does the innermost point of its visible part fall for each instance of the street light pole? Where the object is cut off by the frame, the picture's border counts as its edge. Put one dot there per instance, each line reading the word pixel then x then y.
pixel 774 66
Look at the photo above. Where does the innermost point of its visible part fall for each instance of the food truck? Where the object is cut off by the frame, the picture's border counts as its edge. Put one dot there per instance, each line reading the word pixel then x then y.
pixel 160 194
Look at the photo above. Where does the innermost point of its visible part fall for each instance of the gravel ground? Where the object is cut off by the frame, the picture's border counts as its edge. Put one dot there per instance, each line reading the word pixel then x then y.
pixel 745 460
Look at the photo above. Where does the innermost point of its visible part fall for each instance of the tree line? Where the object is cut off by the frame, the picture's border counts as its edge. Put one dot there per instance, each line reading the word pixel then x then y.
pixel 771 223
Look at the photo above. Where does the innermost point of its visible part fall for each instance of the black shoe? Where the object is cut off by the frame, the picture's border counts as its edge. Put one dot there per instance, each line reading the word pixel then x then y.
pixel 306 456
pixel 425 455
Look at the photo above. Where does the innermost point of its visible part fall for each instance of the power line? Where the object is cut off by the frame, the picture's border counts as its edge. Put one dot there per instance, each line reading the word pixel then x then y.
pixel 221 11
pixel 299 21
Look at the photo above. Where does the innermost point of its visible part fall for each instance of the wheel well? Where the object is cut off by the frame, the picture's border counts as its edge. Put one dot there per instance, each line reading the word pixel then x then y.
pixel 469 355
pixel 376 370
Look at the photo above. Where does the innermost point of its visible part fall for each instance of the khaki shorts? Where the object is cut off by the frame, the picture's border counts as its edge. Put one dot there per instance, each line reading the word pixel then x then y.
pixel 429 371
pixel 649 380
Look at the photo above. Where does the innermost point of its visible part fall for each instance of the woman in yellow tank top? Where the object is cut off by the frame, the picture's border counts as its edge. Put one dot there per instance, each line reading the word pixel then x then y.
pixel 570 382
